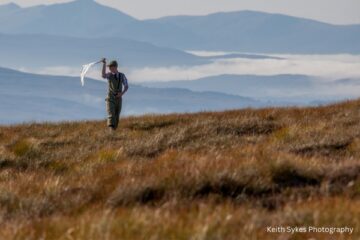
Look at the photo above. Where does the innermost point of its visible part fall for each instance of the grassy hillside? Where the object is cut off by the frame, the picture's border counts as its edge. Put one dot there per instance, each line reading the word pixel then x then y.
pixel 225 175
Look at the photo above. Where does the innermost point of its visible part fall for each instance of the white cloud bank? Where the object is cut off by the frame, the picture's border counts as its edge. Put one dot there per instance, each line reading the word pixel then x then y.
pixel 326 66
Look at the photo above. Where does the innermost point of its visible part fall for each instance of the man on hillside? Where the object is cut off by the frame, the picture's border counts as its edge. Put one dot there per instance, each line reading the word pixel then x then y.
pixel 117 87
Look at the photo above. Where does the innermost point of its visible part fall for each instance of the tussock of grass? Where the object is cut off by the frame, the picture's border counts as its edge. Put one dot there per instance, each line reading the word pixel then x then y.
pixel 150 124
pixel 220 175
pixel 106 156
pixel 250 127
pixel 344 175
pixel 21 148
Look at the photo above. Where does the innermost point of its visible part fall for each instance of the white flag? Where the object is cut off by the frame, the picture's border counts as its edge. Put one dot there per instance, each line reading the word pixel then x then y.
pixel 85 69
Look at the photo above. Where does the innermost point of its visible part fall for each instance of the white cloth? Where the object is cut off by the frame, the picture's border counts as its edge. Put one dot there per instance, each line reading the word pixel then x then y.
pixel 85 69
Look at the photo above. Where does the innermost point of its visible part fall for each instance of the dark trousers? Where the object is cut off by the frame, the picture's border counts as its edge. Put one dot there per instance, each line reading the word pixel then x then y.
pixel 113 107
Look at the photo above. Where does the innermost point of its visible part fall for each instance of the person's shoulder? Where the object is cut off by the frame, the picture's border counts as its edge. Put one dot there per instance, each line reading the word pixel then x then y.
pixel 122 74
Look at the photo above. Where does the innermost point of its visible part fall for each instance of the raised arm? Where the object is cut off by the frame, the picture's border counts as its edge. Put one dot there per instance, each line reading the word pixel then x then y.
pixel 103 72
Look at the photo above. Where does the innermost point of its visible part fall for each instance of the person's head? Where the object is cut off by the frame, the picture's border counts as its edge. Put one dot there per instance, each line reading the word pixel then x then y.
pixel 113 66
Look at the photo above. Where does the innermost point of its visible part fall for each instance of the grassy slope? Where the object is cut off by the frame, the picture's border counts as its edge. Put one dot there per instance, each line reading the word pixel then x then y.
pixel 201 176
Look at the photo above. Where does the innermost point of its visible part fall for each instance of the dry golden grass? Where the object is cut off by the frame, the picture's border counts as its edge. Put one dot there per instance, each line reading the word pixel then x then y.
pixel 224 175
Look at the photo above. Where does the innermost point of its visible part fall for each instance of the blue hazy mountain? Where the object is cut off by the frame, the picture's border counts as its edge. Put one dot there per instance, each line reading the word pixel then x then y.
pixel 8 9
pixel 284 88
pixel 241 84
pixel 264 32
pixel 87 18
pixel 33 51
pixel 38 51
pixel 248 31
pixel 31 97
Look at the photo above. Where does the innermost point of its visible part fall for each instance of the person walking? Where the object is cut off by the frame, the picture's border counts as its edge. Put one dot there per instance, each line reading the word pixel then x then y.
pixel 117 87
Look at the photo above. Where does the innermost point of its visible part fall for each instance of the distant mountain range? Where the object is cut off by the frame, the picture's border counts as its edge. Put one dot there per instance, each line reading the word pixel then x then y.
pixel 31 97
pixel 248 85
pixel 283 88
pixel 32 51
pixel 86 18
pixel 252 31
pixel 247 31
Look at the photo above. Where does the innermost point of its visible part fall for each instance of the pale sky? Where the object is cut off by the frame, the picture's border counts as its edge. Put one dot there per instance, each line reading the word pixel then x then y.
pixel 332 11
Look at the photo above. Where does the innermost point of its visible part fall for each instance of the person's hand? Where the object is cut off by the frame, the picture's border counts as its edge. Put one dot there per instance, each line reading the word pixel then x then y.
pixel 119 95
pixel 103 60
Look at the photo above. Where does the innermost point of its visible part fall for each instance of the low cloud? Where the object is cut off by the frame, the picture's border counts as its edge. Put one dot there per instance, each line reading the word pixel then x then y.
pixel 329 67
pixel 326 66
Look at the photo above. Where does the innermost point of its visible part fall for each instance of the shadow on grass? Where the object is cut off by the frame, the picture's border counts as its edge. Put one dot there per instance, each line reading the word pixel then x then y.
pixel 324 149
